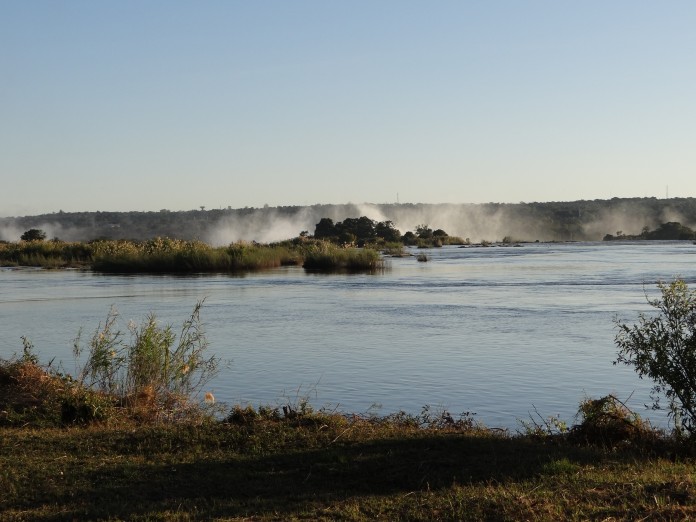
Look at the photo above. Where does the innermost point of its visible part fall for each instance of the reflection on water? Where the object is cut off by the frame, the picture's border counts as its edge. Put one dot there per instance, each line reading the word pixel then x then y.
pixel 497 331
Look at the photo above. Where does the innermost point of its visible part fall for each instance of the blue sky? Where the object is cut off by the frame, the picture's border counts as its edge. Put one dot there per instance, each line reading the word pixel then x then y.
pixel 166 104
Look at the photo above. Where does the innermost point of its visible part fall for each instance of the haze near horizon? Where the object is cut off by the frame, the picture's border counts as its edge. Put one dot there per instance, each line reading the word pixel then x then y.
pixel 146 106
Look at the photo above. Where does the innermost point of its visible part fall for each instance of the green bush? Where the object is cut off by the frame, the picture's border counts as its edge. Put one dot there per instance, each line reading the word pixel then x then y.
pixel 326 256
pixel 164 255
pixel 33 234
pixel 155 373
pixel 46 254
pixel 663 348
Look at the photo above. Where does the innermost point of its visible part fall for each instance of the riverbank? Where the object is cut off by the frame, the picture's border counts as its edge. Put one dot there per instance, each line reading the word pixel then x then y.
pixel 293 463
pixel 331 468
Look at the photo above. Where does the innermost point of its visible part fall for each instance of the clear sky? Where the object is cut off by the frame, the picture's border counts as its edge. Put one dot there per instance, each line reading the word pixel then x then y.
pixel 148 104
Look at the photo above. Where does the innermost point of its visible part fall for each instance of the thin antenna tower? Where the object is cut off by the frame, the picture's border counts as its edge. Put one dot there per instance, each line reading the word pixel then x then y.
pixel 667 192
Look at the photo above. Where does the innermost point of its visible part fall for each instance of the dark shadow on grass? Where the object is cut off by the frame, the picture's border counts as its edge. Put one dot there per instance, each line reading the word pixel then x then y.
pixel 295 482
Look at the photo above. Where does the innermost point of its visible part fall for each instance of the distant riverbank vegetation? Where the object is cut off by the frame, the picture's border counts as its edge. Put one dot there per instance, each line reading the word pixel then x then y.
pixel 671 231
pixel 354 244
pixel 350 245
pixel 583 220
pixel 46 254
pixel 364 231
pixel 164 255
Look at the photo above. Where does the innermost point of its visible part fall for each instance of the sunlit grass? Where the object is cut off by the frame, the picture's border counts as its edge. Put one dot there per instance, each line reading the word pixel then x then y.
pixel 323 255
pixel 46 254
pixel 165 255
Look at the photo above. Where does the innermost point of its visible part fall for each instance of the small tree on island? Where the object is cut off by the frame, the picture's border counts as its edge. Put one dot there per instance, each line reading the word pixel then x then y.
pixel 33 234
pixel 424 232
pixel 664 349
pixel 325 229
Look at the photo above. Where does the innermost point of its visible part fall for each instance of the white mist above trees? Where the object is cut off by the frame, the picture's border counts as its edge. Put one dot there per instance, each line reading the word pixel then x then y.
pixel 553 221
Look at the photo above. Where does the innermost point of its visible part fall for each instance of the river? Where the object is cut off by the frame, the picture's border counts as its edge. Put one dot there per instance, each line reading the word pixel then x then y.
pixel 497 331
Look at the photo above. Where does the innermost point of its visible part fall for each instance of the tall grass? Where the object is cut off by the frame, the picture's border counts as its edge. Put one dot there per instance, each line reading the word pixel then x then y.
pixel 325 256
pixel 156 373
pixel 46 254
pixel 164 255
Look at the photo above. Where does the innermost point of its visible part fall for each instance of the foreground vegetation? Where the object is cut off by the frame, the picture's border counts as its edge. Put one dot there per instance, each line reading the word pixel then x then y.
pixel 292 463
pixel 330 467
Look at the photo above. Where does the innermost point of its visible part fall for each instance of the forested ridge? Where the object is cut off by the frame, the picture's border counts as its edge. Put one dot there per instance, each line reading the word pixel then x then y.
pixel 545 221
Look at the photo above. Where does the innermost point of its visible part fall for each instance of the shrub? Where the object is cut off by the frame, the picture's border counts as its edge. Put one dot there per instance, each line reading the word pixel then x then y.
pixel 607 421
pixel 663 348
pixel 32 395
pixel 156 373
pixel 394 250
pixel 46 254
pixel 325 256
pixel 164 255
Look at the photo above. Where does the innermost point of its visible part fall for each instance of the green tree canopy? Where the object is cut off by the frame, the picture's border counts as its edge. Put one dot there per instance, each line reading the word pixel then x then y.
pixel 663 348
pixel 671 230
pixel 424 232
pixel 325 229
pixel 387 231
pixel 33 234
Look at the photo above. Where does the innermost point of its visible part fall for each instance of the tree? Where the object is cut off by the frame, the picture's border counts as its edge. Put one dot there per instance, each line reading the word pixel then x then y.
pixel 387 231
pixel 424 232
pixel 351 230
pixel 409 238
pixel 325 229
pixel 365 229
pixel 33 234
pixel 663 348
pixel 671 231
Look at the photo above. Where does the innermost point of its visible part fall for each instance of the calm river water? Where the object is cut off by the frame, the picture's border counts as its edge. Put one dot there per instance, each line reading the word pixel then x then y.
pixel 495 331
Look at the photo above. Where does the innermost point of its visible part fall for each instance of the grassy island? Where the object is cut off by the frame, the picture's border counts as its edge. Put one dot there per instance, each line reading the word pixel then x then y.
pixel 352 245
pixel 165 255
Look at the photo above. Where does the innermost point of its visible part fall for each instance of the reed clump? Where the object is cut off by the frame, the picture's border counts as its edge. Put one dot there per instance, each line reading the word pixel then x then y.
pixel 164 255
pixel 153 374
pixel 326 256
pixel 250 256
pixel 394 249
pixel 607 421
pixel 45 254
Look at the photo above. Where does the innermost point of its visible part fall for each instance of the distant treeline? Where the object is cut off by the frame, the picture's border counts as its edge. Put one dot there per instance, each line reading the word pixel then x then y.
pixel 666 231
pixel 550 221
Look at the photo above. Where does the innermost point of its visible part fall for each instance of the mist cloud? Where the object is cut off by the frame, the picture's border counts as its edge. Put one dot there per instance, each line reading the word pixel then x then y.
pixel 562 221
